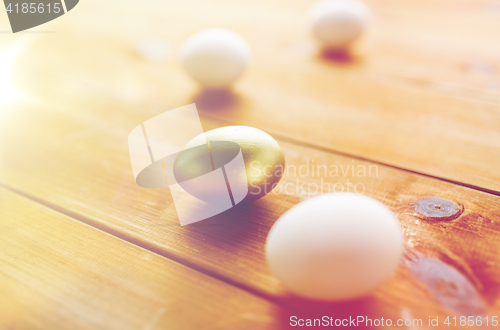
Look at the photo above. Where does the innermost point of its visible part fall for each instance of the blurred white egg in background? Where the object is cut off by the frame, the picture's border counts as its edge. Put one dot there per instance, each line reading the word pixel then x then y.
pixel 215 58
pixel 337 23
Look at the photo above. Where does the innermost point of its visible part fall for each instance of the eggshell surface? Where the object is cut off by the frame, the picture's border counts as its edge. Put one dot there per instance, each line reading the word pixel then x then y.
pixel 263 160
pixel 334 246
pixel 215 57
pixel 337 23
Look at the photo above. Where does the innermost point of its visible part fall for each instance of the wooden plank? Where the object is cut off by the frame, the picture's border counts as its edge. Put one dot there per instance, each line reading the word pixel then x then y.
pixel 57 273
pixel 79 164
pixel 414 86
pixel 89 87
pixel 431 45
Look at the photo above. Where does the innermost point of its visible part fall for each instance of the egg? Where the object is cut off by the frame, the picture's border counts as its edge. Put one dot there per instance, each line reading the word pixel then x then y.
pixel 215 57
pixel 337 23
pixel 334 246
pixel 262 156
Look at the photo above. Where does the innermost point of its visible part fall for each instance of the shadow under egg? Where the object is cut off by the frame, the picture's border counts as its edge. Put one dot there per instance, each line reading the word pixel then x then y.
pixel 236 227
pixel 327 314
pixel 339 56
pixel 216 99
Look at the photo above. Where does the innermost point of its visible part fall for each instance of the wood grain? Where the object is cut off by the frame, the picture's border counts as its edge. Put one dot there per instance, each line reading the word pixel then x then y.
pixel 57 273
pixel 415 95
pixel 81 167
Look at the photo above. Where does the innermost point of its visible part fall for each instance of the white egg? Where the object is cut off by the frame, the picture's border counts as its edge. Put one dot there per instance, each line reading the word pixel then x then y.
pixel 334 246
pixel 215 57
pixel 337 23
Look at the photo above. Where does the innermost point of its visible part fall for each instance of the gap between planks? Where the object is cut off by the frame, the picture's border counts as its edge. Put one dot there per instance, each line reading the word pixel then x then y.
pixel 128 237
pixel 145 245
pixel 346 154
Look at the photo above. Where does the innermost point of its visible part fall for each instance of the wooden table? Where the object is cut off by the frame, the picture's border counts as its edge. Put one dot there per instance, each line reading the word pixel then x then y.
pixel 83 247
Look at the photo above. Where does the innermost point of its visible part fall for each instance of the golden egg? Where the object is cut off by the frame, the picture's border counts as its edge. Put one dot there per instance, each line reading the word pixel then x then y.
pixel 259 171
